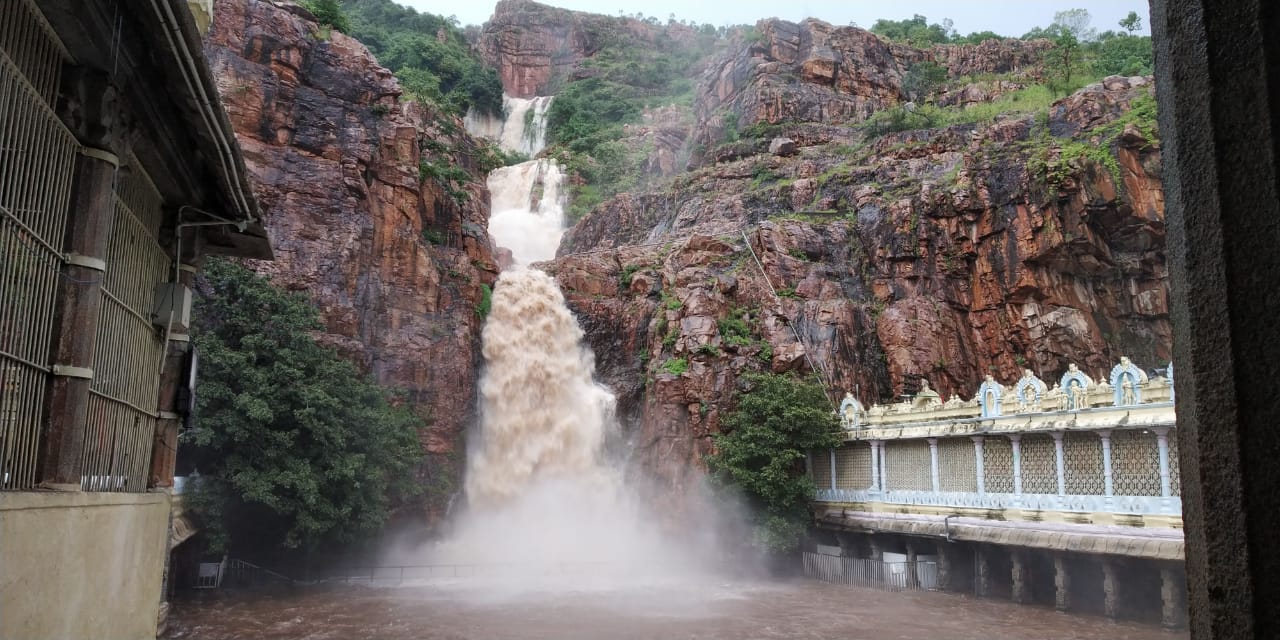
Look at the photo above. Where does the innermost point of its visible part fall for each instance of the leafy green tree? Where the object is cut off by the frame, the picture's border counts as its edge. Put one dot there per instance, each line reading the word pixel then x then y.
pixel 916 30
pixel 1131 23
pixel 297 448
pixel 1062 61
pixel 1122 54
pixel 329 12
pixel 778 419
pixel 923 78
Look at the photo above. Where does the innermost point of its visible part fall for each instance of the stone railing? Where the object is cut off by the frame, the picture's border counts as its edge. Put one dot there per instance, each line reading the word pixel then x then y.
pixel 1089 449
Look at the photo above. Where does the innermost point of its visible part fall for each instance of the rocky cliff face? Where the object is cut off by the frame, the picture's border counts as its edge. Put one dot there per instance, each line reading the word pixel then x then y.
pixel 394 256
pixel 536 47
pixel 946 254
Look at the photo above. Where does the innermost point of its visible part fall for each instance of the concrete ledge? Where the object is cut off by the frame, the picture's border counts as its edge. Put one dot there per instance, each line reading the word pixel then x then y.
pixel 1136 542
pixel 24 500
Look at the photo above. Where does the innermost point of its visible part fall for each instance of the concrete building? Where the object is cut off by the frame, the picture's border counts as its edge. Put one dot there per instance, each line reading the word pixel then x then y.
pixel 119 172
pixel 1067 495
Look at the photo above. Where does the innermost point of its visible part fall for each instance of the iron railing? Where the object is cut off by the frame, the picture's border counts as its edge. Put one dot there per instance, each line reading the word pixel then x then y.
pixel 129 351
pixel 37 155
pixel 876 574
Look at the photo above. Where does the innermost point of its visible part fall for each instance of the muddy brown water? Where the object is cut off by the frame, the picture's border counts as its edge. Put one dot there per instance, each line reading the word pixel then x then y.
pixel 709 611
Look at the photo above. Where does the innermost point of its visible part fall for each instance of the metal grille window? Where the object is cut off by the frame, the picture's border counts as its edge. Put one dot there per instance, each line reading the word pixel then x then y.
pixel 1175 474
pixel 36 162
pixel 1083 463
pixel 908 465
pixel 129 351
pixel 853 466
pixel 957 465
pixel 1135 463
pixel 997 465
pixel 822 468
pixel 1039 464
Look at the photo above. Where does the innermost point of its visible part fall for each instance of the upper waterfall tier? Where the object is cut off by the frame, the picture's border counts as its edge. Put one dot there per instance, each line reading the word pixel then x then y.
pixel 523 127
pixel 528 209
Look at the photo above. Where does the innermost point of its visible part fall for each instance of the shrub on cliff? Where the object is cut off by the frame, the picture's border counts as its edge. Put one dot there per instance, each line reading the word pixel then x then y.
pixel 777 420
pixel 329 13
pixel 297 448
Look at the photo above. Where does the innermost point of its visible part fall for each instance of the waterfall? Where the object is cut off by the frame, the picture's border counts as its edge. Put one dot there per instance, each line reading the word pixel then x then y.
pixel 527 209
pixel 511 132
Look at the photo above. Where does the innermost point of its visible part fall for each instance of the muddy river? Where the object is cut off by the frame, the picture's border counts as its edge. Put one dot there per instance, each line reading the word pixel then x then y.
pixel 710 610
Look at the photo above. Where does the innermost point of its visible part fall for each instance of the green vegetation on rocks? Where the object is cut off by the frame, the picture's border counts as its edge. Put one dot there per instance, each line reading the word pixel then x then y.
pixel 777 420
pixel 296 448
pixel 428 53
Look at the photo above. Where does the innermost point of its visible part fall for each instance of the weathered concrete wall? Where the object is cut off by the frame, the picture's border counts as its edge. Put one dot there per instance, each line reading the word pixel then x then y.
pixel 81 565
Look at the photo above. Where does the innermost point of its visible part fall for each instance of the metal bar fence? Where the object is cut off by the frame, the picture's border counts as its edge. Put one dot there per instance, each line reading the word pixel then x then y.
pixel 122 416
pixel 874 574
pixel 37 155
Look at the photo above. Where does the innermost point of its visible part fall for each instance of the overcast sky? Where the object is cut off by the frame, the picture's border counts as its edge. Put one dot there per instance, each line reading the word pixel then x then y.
pixel 1006 17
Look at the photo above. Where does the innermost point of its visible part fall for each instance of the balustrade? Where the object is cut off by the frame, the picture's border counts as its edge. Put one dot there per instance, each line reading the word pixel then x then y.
pixel 1110 454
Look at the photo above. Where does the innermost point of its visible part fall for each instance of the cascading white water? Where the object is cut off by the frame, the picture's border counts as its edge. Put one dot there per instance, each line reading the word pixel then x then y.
pixel 523 127
pixel 540 490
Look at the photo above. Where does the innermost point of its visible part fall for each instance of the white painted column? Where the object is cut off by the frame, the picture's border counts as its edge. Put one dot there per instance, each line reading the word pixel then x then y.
pixel 977 452
pixel 833 468
pixel 1060 457
pixel 1108 483
pixel 1162 442
pixel 875 465
pixel 1015 441
pixel 884 467
pixel 933 464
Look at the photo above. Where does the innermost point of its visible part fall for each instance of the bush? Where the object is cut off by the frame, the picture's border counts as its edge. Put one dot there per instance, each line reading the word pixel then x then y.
pixel 777 421
pixel 676 366
pixel 297 448
pixel 328 13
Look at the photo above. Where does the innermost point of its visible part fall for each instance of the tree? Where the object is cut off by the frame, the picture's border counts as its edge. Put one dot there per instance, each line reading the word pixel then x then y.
pixel 297 448
pixel 1076 22
pixel 777 421
pixel 1061 60
pixel 328 12
pixel 922 78
pixel 1131 23
pixel 915 30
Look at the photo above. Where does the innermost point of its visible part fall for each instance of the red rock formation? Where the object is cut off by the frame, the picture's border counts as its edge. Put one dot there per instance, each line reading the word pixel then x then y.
pixel 945 254
pixel 395 263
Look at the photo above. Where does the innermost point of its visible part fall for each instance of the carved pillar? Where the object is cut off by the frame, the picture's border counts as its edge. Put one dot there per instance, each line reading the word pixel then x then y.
pixel 1162 443
pixel 1015 442
pixel 933 464
pixel 1060 458
pixel 981 572
pixel 875 465
pixel 1020 576
pixel 977 452
pixel 1108 485
pixel 832 454
pixel 1111 589
pixel 1061 583
pixel 1173 598
pixel 91 109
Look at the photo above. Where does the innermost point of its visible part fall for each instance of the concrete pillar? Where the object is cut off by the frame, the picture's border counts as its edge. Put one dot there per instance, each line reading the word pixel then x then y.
pixel 1111 588
pixel 1020 576
pixel 933 464
pixel 1173 598
pixel 981 572
pixel 884 467
pixel 1108 485
pixel 978 465
pixel 1162 443
pixel 1015 441
pixel 1060 459
pixel 946 558
pixel 1061 583
pixel 93 113
pixel 1216 74
pixel 875 465
pixel 913 573
pixel 877 551
pixel 832 455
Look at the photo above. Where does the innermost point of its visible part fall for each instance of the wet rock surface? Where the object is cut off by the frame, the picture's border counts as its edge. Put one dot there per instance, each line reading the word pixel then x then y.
pixel 395 262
